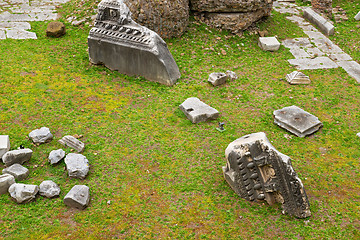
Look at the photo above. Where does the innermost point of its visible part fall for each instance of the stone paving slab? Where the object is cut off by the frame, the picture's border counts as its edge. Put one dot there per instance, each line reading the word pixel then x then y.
pixel 20 34
pixel 315 63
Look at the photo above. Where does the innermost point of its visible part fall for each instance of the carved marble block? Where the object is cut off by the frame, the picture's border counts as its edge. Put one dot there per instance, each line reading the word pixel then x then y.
pixel 123 45
pixel 255 170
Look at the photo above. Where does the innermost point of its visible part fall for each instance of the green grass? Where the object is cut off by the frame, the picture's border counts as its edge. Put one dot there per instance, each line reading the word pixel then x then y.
pixel 161 173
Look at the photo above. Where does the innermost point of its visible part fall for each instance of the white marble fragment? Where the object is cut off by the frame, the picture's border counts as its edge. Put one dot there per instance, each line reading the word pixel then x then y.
pixel 269 43
pixel 23 193
pixel 49 189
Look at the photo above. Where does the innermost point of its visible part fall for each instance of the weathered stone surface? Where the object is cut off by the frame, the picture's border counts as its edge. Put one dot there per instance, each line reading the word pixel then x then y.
pixel 41 135
pixel 197 111
pixel 324 25
pixel 6 180
pixel 352 68
pixel 229 5
pixel 231 75
pixel 49 189
pixel 217 78
pixel 255 170
pixel 17 156
pixel 4 144
pixel 269 43
pixel 357 16
pixel 78 197
pixel 55 29
pixel 18 171
pixel 55 156
pixel 316 63
pixel 123 45
pixel 23 193
pixel 297 121
pixel 235 22
pixel 72 142
pixel 77 165
pixel 168 19
pixel 297 78
pixel 323 6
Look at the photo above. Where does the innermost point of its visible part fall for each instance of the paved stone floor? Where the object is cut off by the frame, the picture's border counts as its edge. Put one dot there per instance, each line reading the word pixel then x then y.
pixel 317 51
pixel 15 16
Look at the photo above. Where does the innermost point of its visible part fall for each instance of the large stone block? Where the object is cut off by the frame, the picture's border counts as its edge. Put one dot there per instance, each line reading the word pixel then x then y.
pixel 49 189
pixel 269 43
pixel 256 171
pixel 6 180
pixel 77 165
pixel 123 45
pixel 78 197
pixel 41 135
pixel 18 171
pixel 17 156
pixel 23 193
pixel 4 144
pixel 324 25
pixel 197 111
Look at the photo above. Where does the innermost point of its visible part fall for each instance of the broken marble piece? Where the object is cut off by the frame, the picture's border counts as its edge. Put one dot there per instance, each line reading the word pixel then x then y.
pixel 217 78
pixel 49 189
pixel 6 180
pixel 297 121
pixel 197 111
pixel 269 43
pixel 358 134
pixel 357 16
pixel 23 193
pixel 255 170
pixel 78 197
pixel 17 156
pixel 4 144
pixel 55 156
pixel 297 78
pixel 55 29
pixel 231 75
pixel 18 171
pixel 77 165
pixel 324 25
pixel 41 135
pixel 72 142
pixel 123 45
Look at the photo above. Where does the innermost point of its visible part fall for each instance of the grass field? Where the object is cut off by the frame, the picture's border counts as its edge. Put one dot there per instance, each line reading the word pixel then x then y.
pixel 161 173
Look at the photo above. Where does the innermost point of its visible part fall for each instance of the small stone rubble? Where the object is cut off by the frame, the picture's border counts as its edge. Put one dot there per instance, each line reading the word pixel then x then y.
pixel 255 170
pixel 17 156
pixel 72 142
pixel 269 44
pixel 231 75
pixel 41 135
pixel 217 78
pixel 197 111
pixel 23 193
pixel 18 171
pixel 297 121
pixel 6 180
pixel 297 78
pixel 77 165
pixel 55 29
pixel 56 156
pixel 78 197
pixel 49 189
pixel 4 144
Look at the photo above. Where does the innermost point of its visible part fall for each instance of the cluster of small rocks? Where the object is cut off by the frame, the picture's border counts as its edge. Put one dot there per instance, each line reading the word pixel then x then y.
pixel 219 78
pixel 76 164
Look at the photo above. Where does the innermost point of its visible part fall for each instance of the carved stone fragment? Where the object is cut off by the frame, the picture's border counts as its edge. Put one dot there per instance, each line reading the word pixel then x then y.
pixel 217 78
pixel 55 156
pixel 18 171
pixel 77 165
pixel 123 45
pixel 297 78
pixel 17 156
pixel 255 170
pixel 78 197
pixel 41 135
pixel 23 193
pixel 297 121
pixel 4 144
pixel 6 180
pixel 72 142
pixel 49 189
pixel 269 44
pixel 197 111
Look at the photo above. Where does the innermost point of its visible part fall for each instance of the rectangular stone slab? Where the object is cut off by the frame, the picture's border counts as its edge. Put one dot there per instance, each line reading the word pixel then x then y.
pixel 325 26
pixel 197 111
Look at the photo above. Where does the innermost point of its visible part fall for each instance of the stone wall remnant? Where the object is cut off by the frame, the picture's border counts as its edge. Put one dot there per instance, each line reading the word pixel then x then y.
pixel 256 171
pixel 121 44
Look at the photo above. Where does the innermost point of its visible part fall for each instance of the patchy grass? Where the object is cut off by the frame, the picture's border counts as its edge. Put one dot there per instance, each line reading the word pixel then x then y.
pixel 161 173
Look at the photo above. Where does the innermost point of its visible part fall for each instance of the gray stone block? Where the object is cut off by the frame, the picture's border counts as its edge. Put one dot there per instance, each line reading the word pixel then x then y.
pixel 297 121
pixel 17 156
pixel 357 16
pixel 269 43
pixel 123 45
pixel 6 180
pixel 77 165
pixel 256 171
pixel 325 26
pixel 49 189
pixel 78 197
pixel 41 135
pixel 4 144
pixel 55 156
pixel 23 193
pixel 197 111
pixel 18 171
pixel 217 78
pixel 72 142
